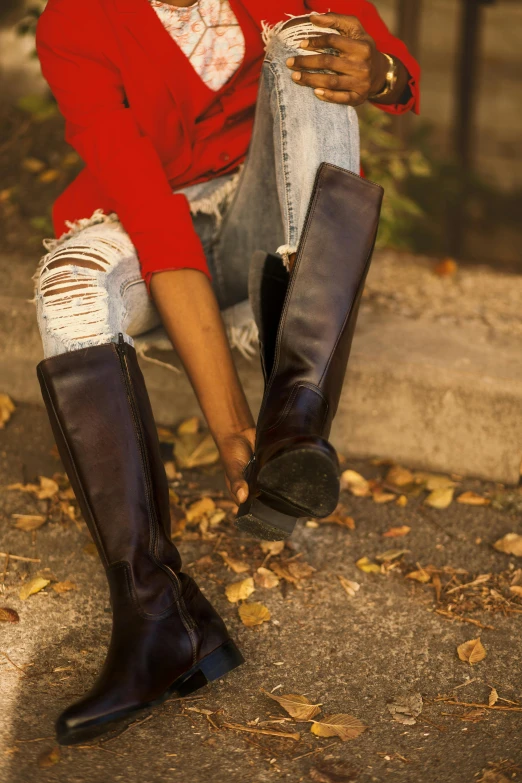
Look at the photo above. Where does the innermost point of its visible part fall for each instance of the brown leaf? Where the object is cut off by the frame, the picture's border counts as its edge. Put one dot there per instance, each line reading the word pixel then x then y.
pixel 8 615
pixel 201 508
pixel 64 587
pixel 264 577
pixel 472 499
pixel 364 564
pixel 49 757
pixel 32 586
pixel 405 708
pixel 332 773
pixel 471 652
pixel 402 501
pixel 435 481
pixel 171 471
pixel 510 544
pixel 7 407
pixel 240 591
pixel 339 517
pixel 493 697
pixel 516 589
pixel 29 522
pixel 381 497
pixel 90 549
pixel 299 569
pixel 189 426
pixel 253 614
pixel 195 450
pixel 344 726
pixel 397 532
pixel 33 165
pixel 350 587
pixel 355 483
pixel 440 498
pixel 49 176
pixel 399 476
pixel 390 555
pixel 419 576
pixel 272 548
pixel 237 566
pixel 298 707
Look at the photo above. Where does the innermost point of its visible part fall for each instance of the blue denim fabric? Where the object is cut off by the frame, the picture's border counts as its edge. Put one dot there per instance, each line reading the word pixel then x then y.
pixel 294 133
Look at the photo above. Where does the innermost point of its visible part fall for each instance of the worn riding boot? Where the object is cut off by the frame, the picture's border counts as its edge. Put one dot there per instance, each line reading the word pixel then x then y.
pixel 166 638
pixel 306 321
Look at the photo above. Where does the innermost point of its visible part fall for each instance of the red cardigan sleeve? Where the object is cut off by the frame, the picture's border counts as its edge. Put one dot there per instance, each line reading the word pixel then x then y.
pixel 124 162
pixel 369 17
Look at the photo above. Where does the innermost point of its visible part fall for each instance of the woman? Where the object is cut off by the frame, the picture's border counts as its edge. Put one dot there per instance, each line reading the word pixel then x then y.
pixel 159 100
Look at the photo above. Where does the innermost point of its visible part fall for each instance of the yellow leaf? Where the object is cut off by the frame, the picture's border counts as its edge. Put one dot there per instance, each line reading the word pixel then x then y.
pixel 355 483
pixel 391 554
pixel 382 497
pixel 189 426
pixel 48 488
pixel 49 758
pixel 516 589
pixel 253 614
pixel 28 522
pixel 510 544
pixel 493 697
pixel 419 576
pixel 344 726
pixel 472 499
pixel 339 517
pixel 272 547
pixel 298 707
pixel 397 532
pixel 64 587
pixel 293 571
pixel 201 508
pixel 195 450
pixel 266 578
pixel 435 481
pixel 170 471
pixel 350 587
pixel 440 498
pixel 33 165
pixel 402 501
pixel 240 591
pixel 51 175
pixel 446 268
pixel 7 407
pixel 217 517
pixel 238 566
pixel 364 564
pixel 399 476
pixel 471 652
pixel 33 586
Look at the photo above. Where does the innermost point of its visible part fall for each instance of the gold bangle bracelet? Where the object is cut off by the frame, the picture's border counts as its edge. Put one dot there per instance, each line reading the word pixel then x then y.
pixel 391 79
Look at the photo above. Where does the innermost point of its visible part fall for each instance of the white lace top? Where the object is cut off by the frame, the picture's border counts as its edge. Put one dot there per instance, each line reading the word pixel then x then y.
pixel 209 34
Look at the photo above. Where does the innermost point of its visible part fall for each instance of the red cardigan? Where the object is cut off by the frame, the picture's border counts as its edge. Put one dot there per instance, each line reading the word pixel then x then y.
pixel 132 104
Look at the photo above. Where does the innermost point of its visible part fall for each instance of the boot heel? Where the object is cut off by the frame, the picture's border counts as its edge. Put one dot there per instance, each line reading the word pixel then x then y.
pixel 262 521
pixel 210 668
pixel 304 476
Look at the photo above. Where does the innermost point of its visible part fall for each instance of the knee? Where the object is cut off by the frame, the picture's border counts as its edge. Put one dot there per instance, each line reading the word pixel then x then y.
pixel 285 35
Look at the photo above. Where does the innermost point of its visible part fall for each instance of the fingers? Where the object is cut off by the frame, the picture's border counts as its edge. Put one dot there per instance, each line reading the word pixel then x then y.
pixel 328 41
pixel 240 492
pixel 326 81
pixel 314 62
pixel 348 98
pixel 349 25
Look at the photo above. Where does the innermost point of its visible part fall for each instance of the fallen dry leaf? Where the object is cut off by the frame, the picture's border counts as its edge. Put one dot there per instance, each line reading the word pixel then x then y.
pixel 350 587
pixel 298 707
pixel 264 577
pixel 29 522
pixel 355 483
pixel 406 708
pixel 195 450
pixel 472 499
pixel 171 471
pixel 189 426
pixel 493 697
pixel 64 587
pixel 217 517
pixel 434 481
pixel 90 549
pixel 492 776
pixel 33 586
pixel 49 758
pixel 7 407
pixel 445 268
pixel 293 571
pixel 272 547
pixel 268 732
pixel 237 566
pixel 471 652
pixel 339 517
pixel 254 614
pixel 201 508
pixel 419 576
pixel 33 165
pixel 344 726
pixel 382 497
pixel 49 176
pixel 390 555
pixel 402 501
pixel 48 488
pixel 516 590
pixel 397 532
pixel 240 591
pixel 440 498
pixel 399 477
pixel 366 565
pixel 8 615
pixel 510 544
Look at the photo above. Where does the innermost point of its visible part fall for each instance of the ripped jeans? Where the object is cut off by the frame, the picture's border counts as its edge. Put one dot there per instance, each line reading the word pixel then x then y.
pixel 89 287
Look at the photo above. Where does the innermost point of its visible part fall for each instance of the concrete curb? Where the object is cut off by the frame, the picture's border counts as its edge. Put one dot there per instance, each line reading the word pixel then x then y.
pixel 445 400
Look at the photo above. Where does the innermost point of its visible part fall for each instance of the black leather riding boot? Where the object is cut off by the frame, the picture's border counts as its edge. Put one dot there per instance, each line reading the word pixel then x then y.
pixel 306 322
pixel 166 638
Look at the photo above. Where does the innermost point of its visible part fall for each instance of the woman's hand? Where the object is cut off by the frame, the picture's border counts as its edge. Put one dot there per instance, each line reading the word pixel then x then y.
pixel 359 68
pixel 236 452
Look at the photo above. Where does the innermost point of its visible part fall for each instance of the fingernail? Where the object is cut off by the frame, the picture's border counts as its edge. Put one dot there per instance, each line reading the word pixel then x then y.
pixel 242 495
pixel 296 77
pixel 319 92
pixel 290 61
pixel 302 44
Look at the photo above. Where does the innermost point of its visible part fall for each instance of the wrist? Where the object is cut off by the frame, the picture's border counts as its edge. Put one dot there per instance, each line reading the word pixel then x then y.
pixel 379 75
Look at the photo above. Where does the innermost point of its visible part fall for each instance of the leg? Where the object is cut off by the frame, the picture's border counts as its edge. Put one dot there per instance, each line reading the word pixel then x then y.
pixel 293 134
pixel 166 638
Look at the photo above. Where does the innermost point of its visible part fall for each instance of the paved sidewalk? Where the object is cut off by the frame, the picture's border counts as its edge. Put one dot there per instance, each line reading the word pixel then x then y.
pixel 435 378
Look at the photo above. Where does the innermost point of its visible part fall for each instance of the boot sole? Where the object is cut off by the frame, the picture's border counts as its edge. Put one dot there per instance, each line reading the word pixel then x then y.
pixel 304 477
pixel 260 520
pixel 212 667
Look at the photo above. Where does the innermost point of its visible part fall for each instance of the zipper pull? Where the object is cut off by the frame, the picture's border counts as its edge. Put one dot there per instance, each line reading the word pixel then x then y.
pixel 121 341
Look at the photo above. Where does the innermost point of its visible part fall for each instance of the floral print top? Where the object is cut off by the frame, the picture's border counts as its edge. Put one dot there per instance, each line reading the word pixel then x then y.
pixel 209 34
